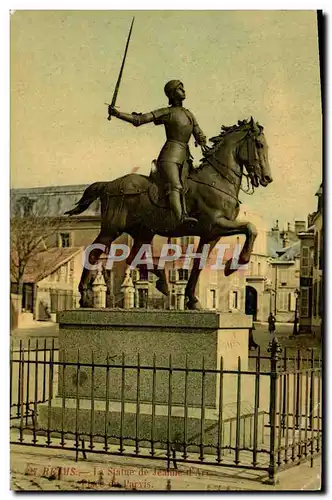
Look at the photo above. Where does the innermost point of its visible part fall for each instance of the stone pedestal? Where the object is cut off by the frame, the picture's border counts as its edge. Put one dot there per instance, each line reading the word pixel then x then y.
pixel 173 340
pixel 168 338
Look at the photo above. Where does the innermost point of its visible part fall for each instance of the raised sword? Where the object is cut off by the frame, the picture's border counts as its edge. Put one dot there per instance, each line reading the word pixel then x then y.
pixel 116 90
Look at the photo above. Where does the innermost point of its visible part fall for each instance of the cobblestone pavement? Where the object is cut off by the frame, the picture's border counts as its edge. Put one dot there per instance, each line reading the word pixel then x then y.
pixel 54 470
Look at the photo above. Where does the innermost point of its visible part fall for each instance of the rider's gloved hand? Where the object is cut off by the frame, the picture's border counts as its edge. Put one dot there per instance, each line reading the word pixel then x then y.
pixel 203 145
pixel 112 111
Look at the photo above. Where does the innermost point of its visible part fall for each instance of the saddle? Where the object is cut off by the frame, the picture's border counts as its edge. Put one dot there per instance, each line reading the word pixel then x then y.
pixel 135 184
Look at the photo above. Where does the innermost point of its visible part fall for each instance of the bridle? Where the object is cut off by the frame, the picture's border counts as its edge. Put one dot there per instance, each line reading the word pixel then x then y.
pixel 249 138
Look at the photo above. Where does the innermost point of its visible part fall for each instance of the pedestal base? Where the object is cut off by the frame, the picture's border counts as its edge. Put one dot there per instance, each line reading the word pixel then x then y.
pixel 128 367
pixel 110 422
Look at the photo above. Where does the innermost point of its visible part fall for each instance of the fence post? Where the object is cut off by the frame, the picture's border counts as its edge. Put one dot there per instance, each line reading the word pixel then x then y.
pixel 274 348
pixel 99 291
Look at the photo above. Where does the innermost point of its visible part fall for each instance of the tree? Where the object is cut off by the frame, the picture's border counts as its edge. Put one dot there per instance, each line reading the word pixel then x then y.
pixel 32 232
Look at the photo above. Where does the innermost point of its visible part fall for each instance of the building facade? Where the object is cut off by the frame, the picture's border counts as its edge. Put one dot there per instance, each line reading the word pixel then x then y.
pixel 245 290
pixel 311 289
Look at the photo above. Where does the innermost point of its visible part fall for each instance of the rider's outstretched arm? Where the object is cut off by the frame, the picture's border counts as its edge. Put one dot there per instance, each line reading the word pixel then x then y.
pixel 135 119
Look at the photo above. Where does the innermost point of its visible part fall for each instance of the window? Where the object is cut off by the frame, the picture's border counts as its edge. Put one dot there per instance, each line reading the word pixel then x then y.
pixel 321 250
pixel 24 207
pixel 142 298
pixel 316 252
pixel 314 292
pixel 143 274
pixel 173 298
pixel 304 307
pixel 172 275
pixel 283 300
pixel 213 299
pixel 183 274
pixel 64 240
pixel 235 300
pixel 305 262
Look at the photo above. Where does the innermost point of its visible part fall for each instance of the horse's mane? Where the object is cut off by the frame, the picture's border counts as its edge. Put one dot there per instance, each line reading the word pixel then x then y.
pixel 225 131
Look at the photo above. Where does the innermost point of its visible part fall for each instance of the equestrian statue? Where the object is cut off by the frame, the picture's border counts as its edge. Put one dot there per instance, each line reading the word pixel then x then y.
pixel 177 199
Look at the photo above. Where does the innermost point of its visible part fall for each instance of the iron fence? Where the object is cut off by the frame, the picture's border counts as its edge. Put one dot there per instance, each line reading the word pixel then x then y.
pixel 244 418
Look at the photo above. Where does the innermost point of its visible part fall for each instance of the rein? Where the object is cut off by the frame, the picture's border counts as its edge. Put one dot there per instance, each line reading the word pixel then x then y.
pixel 214 187
pixel 247 176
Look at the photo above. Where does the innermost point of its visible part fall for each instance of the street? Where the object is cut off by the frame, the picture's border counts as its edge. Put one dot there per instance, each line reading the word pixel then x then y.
pixel 284 334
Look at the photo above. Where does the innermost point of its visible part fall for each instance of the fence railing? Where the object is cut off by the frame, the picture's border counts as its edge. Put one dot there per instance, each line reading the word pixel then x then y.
pixel 244 417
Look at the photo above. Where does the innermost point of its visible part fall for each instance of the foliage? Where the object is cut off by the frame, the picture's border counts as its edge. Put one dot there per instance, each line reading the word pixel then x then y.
pixel 31 234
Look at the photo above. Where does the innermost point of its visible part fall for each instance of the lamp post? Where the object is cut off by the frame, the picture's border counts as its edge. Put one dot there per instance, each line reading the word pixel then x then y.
pixel 295 329
pixel 269 289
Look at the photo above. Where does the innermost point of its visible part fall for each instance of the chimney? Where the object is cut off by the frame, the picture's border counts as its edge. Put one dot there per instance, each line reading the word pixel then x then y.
pixel 285 241
pixel 300 226
pixel 275 228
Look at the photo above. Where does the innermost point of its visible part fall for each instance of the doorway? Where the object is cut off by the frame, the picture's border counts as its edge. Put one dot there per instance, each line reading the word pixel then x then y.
pixel 251 301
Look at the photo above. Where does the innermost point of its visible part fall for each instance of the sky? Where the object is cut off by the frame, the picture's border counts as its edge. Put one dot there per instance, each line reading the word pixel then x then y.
pixel 234 64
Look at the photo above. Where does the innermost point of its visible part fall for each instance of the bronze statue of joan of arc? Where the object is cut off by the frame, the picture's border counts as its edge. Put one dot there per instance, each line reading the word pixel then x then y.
pixel 179 125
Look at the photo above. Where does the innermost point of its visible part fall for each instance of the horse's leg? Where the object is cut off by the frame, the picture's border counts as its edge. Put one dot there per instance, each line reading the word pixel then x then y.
pixel 161 283
pixel 84 286
pixel 230 228
pixel 193 302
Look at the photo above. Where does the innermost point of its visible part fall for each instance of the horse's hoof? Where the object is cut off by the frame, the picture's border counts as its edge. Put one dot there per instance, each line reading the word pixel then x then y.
pixel 194 305
pixel 229 269
pixel 162 287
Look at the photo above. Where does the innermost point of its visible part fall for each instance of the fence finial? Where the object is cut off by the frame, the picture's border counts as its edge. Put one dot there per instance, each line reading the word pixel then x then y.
pixel 274 347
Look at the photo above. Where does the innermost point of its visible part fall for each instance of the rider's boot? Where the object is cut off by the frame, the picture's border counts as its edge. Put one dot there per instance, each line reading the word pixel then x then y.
pixel 176 206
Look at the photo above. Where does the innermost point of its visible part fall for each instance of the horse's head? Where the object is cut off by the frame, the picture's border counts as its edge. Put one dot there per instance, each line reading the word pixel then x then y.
pixel 252 152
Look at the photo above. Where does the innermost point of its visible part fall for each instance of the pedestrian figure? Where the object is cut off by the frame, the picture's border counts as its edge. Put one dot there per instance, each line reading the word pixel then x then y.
pixel 252 343
pixel 272 323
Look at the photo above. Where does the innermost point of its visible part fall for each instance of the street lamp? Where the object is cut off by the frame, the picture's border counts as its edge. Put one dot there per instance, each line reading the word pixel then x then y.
pixel 268 288
pixel 297 294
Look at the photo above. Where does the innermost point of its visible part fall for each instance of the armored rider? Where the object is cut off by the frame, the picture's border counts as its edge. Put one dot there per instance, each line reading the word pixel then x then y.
pixel 179 124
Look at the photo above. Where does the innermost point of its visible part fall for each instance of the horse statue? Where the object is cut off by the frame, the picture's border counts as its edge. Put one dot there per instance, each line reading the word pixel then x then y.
pixel 135 204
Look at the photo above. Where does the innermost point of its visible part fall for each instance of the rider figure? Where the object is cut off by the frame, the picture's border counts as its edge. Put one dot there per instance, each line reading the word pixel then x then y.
pixel 179 124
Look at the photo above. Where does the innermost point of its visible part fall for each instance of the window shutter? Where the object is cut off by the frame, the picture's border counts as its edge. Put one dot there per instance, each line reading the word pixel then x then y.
pixel 134 274
pixel 230 299
pixel 292 301
pixel 172 275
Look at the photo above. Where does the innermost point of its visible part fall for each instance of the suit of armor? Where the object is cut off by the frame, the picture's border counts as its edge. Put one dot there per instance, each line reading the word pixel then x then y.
pixel 179 125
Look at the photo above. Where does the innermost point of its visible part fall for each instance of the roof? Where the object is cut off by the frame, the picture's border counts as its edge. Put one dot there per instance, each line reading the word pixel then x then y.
pixel 44 263
pixel 53 200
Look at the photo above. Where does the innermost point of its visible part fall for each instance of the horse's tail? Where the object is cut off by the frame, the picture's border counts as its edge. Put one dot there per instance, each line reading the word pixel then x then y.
pixel 90 194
